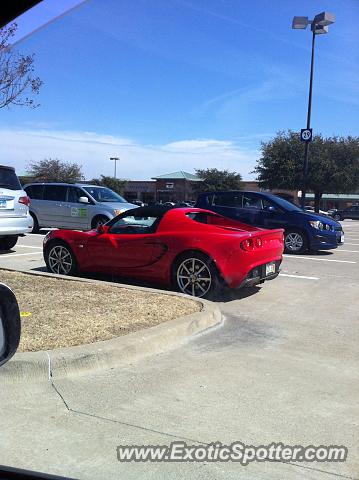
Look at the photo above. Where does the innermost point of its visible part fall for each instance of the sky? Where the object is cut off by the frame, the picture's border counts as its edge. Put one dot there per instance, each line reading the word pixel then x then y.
pixel 171 85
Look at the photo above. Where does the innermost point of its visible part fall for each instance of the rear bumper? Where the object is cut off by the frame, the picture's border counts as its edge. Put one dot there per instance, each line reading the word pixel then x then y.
pixel 257 275
pixel 15 225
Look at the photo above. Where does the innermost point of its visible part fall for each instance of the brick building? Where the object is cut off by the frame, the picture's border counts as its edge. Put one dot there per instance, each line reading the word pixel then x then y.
pixel 170 187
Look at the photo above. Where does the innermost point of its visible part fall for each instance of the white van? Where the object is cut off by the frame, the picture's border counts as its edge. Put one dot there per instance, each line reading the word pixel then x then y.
pixel 15 219
pixel 73 205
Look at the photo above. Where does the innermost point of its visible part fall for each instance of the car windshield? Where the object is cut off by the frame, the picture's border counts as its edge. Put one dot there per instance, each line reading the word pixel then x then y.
pixel 285 205
pixel 103 195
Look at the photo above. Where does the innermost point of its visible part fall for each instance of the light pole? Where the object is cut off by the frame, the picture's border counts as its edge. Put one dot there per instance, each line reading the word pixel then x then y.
pixel 319 25
pixel 115 159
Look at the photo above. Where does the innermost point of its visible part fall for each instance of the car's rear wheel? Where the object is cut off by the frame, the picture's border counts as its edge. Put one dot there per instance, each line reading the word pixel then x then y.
pixel 60 259
pixel 8 243
pixel 99 220
pixel 295 241
pixel 195 274
pixel 337 217
pixel 36 227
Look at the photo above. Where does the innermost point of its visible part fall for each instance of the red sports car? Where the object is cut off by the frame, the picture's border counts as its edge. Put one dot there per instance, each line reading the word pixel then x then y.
pixel 190 249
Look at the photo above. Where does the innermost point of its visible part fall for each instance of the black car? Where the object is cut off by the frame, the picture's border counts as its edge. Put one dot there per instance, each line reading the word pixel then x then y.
pixel 303 230
pixel 351 213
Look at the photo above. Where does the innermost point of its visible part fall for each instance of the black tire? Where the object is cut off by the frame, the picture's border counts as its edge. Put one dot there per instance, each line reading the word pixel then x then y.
pixel 295 241
pixel 98 220
pixel 196 286
pixel 337 217
pixel 61 252
pixel 36 227
pixel 8 243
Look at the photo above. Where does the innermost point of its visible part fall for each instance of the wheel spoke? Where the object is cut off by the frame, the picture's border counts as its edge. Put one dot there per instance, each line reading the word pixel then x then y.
pixel 190 279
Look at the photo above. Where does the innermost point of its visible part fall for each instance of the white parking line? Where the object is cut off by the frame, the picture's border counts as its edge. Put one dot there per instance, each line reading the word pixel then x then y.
pixel 298 276
pixel 317 259
pixel 354 244
pixel 27 246
pixel 19 254
pixel 349 251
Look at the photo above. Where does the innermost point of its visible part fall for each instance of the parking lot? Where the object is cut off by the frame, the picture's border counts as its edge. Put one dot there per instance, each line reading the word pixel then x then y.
pixel 339 263
pixel 283 367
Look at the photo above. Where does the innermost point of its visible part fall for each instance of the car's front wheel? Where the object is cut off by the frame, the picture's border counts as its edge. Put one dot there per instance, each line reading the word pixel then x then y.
pixel 99 221
pixel 295 241
pixel 337 217
pixel 60 259
pixel 195 274
pixel 8 243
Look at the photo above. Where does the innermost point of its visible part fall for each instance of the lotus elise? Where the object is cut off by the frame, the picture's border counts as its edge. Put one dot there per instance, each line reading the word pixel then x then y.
pixel 192 250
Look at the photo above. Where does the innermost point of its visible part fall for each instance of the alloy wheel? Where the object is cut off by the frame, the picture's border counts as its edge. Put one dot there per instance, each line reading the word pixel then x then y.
pixel 294 241
pixel 194 277
pixel 60 260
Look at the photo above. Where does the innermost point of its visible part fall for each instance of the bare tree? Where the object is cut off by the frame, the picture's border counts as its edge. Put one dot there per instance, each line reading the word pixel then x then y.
pixel 17 78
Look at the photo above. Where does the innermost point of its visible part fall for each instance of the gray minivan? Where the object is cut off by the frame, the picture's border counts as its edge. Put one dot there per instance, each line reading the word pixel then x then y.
pixel 73 205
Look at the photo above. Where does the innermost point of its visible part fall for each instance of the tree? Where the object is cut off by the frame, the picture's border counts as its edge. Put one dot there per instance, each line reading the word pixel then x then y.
pixel 54 170
pixel 214 179
pixel 333 164
pixel 115 184
pixel 16 73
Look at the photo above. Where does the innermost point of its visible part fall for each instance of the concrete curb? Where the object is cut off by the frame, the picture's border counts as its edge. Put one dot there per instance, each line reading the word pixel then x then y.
pixel 62 362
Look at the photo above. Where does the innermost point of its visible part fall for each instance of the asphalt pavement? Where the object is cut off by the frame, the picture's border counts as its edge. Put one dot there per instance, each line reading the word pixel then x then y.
pixel 283 367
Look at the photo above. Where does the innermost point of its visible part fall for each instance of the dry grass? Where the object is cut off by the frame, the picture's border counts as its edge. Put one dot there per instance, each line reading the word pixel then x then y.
pixel 66 313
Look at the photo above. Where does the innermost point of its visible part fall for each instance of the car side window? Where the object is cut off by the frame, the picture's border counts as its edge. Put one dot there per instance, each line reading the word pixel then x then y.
pixel 252 201
pixel 131 224
pixel 35 191
pixel 74 193
pixel 56 193
pixel 227 200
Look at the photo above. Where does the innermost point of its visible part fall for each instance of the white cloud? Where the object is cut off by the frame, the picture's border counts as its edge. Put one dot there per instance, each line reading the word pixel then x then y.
pixel 137 161
pixel 196 145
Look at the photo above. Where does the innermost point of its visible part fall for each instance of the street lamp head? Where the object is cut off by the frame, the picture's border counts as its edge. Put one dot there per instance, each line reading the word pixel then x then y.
pixel 324 19
pixel 300 23
pixel 319 29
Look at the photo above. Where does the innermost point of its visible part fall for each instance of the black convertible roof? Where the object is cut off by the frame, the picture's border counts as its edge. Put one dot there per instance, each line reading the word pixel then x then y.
pixel 157 211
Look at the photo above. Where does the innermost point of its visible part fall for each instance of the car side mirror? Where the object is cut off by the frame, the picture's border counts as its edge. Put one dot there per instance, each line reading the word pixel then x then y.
pixel 102 229
pixel 270 209
pixel 84 200
pixel 10 324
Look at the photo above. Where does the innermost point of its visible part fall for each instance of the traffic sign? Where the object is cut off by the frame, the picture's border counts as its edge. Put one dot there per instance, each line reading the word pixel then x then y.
pixel 306 134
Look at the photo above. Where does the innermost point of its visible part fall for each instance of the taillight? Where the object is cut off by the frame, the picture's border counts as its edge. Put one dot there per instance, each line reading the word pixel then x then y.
pixel 25 201
pixel 251 244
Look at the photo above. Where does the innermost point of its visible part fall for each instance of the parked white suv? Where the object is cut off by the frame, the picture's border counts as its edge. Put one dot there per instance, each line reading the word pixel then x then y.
pixel 15 219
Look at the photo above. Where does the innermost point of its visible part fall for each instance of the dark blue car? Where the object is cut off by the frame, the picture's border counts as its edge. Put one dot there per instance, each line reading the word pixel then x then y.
pixel 303 231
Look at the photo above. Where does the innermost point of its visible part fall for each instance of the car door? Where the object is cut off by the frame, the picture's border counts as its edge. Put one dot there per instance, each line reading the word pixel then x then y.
pixel 271 215
pixel 251 208
pixel 128 247
pixel 76 213
pixel 52 207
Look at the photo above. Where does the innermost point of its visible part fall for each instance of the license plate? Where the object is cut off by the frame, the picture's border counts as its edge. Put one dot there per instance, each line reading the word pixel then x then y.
pixel 270 268
pixel 2 203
